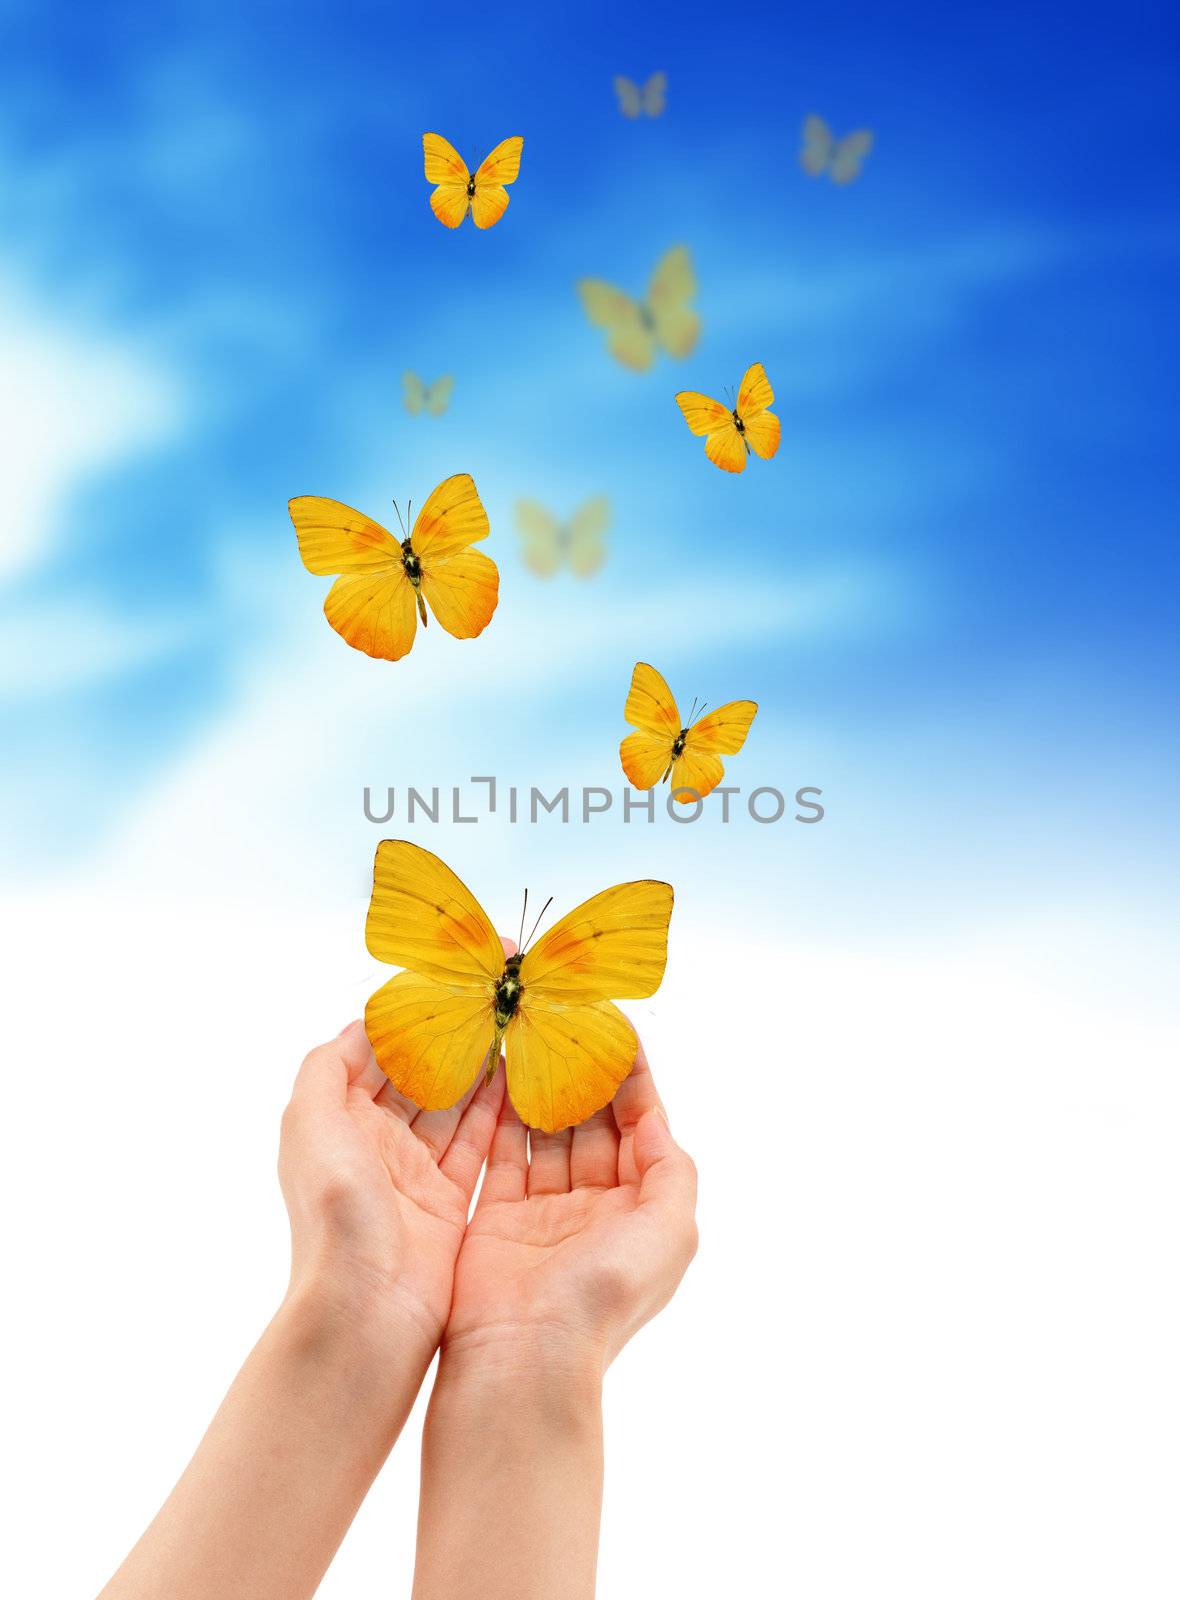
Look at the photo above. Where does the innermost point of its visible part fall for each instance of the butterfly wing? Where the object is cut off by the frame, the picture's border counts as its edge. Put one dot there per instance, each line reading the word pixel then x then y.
pixel 655 94
pixel 817 146
pixel 423 917
pixel 673 285
pixel 371 605
pixel 438 397
pixel 565 1062
pixel 651 707
pixel 848 154
pixel 451 518
pixel 723 732
pixel 429 1040
pixel 763 428
pixel 445 167
pixel 718 733
pixel 614 946
pixel 541 535
pixel 723 442
pixel 376 614
pixel 413 392
pixel 461 586
pixel 500 166
pixel 587 536
pixel 629 339
pixel 629 94
pixel 463 591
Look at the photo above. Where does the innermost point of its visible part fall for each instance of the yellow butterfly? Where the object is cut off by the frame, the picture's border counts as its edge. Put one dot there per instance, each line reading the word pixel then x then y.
pixel 431 397
pixel 664 748
pixel 459 191
pixel 839 158
pixel 580 542
pixel 730 435
pixel 636 328
pixel 372 603
pixel 649 98
pixel 435 1025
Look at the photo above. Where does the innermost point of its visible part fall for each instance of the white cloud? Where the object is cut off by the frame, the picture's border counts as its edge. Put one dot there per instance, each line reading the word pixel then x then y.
pixel 47 648
pixel 71 402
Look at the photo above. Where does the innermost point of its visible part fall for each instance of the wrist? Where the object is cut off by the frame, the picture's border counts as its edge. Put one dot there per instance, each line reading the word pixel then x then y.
pixel 346 1319
pixel 539 1367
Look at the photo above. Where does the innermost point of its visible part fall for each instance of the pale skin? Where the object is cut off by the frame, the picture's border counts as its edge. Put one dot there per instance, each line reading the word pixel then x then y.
pixel 571 1248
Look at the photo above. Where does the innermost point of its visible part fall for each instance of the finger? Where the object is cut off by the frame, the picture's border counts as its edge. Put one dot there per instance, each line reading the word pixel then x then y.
pixel 594 1153
pixel 327 1071
pixel 636 1095
pixel 549 1162
pixel 667 1174
pixel 508 1159
pixel 363 1071
pixel 509 946
pixel 468 1150
pixel 436 1129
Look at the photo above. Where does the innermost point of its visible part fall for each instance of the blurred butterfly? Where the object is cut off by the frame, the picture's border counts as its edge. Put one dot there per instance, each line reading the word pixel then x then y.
pixel 382 582
pixel 664 748
pixel 435 1025
pixel 459 191
pixel 730 435
pixel 580 542
pixel 431 397
pixel 839 158
pixel 650 99
pixel 635 328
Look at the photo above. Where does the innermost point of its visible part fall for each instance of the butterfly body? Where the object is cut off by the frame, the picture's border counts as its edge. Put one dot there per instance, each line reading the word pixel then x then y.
pixel 664 747
pixel 839 159
pixel 733 433
pixel 459 191
pixel 438 1022
pixel 548 543
pixel 664 319
pixel 433 398
pixel 383 586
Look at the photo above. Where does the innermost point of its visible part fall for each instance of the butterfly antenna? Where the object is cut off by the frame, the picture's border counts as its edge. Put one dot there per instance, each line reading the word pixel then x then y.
pixel 409 507
pixel 692 715
pixel 399 518
pixel 537 924
pixel 701 708
pixel 523 910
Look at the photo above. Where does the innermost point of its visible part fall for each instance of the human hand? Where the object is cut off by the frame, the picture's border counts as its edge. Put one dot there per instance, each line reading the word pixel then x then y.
pixel 377 1190
pixel 570 1252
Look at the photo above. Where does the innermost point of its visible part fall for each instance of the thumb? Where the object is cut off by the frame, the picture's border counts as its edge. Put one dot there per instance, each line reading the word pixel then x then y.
pixel 663 1167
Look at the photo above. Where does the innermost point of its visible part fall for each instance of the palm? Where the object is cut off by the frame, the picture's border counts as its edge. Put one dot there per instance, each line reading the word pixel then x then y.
pixel 575 1234
pixel 532 1261
pixel 378 1190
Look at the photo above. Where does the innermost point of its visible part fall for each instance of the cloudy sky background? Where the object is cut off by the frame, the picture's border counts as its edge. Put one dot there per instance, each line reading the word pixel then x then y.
pixel 953 594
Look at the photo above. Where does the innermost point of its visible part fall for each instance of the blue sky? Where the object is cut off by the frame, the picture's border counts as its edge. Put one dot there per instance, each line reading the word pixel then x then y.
pixel 217 220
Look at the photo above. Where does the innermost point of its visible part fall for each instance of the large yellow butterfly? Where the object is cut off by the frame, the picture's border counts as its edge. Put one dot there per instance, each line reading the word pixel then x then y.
pixel 730 435
pixel 372 603
pixel 435 1025
pixel 581 542
pixel 430 397
pixel 664 748
pixel 481 192
pixel 839 158
pixel 636 327
pixel 649 98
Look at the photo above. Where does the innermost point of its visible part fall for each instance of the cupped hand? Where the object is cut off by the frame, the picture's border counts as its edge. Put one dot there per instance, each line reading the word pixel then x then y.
pixel 378 1191
pixel 578 1238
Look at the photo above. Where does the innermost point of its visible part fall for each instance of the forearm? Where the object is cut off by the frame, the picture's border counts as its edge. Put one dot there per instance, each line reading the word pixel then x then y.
pixel 287 1460
pixel 511 1479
